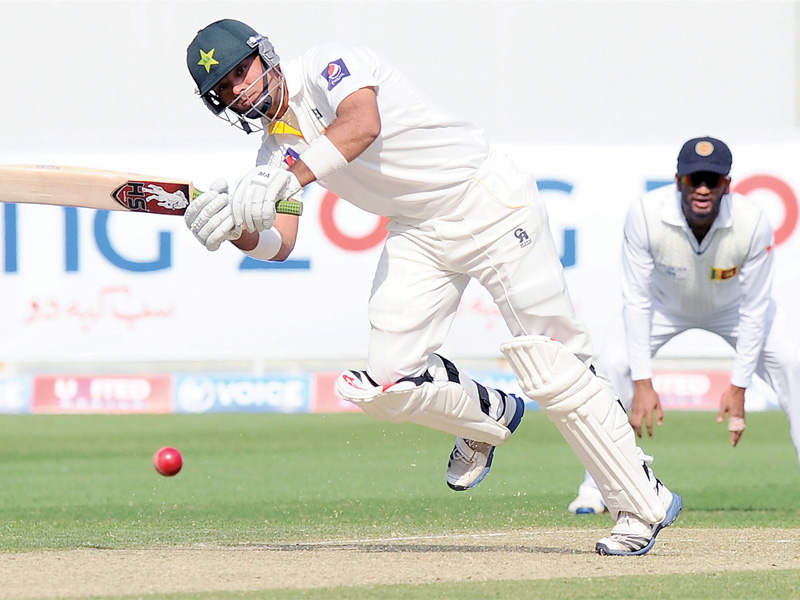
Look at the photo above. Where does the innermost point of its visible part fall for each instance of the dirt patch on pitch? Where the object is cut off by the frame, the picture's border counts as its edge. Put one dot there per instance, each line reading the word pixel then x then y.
pixel 538 554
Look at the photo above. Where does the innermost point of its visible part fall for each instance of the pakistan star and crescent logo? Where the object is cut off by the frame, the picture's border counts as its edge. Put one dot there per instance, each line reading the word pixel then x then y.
pixel 207 59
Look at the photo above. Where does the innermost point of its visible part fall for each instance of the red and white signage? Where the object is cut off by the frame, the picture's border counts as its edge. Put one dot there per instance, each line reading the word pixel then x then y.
pixel 102 394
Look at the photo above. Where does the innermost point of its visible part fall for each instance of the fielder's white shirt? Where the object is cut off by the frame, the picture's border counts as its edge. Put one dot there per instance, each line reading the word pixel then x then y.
pixel 694 284
pixel 420 165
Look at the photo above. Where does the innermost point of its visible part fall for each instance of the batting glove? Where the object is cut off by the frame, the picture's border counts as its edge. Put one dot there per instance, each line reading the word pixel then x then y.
pixel 254 201
pixel 210 219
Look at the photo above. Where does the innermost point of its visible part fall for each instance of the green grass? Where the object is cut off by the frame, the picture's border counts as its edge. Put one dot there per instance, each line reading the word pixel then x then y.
pixel 88 481
pixel 772 585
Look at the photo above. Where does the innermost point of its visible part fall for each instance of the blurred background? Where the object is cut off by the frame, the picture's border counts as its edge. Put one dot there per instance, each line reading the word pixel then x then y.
pixel 595 98
pixel 106 74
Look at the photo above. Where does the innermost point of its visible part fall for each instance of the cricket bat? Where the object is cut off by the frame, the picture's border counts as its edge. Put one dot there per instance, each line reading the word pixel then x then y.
pixel 104 190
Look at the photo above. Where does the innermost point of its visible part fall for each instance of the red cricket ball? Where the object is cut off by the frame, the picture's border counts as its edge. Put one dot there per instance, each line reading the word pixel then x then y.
pixel 167 461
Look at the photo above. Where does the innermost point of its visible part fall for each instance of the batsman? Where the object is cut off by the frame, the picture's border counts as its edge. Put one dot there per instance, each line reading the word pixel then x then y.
pixel 458 210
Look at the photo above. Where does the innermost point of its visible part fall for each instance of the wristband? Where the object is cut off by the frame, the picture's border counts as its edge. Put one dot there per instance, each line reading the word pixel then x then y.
pixel 323 158
pixel 269 242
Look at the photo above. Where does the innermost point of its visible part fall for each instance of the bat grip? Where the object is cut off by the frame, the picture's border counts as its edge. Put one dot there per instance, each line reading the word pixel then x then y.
pixel 284 207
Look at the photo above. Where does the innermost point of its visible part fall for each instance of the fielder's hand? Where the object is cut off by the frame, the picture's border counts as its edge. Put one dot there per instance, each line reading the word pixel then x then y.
pixel 254 201
pixel 645 405
pixel 732 403
pixel 210 219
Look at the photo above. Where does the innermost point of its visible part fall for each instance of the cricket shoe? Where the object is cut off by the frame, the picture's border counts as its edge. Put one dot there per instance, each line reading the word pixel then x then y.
pixel 470 460
pixel 588 503
pixel 631 536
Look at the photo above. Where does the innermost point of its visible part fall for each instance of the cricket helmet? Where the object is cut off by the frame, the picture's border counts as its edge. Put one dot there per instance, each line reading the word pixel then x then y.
pixel 215 51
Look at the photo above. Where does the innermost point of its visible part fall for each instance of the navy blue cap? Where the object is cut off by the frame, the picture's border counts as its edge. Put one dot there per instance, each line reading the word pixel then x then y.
pixel 704 154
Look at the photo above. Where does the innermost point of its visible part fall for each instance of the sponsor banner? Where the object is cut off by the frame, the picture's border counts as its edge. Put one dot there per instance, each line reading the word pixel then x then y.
pixel 99 295
pixel 702 390
pixel 15 394
pixel 690 390
pixel 325 399
pixel 298 393
pixel 272 392
pixel 677 390
pixel 102 394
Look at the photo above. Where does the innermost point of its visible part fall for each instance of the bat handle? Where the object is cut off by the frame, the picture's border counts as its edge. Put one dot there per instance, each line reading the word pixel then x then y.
pixel 285 207
pixel 289 207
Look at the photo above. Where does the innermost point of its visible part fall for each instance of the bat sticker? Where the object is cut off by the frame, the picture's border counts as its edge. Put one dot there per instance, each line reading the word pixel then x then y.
pixel 159 198
pixel 105 190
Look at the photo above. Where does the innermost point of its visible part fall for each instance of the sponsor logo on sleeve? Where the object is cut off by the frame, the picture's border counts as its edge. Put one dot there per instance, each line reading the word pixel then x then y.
pixel 335 72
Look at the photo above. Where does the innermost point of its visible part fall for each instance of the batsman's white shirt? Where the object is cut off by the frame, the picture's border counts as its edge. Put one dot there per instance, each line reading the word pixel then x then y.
pixel 458 210
pixel 422 163
pixel 722 284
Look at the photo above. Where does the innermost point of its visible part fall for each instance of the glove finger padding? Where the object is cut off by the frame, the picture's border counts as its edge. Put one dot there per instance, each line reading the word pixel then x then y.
pixel 219 185
pixel 200 212
pixel 262 199
pixel 196 206
pixel 255 197
pixel 219 229
pixel 209 218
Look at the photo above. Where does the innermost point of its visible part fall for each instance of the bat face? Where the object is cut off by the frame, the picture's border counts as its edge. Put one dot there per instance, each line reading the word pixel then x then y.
pixel 94 188
pixel 153 197
pixel 104 190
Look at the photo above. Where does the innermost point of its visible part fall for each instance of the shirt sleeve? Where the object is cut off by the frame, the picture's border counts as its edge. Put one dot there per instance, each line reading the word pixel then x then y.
pixel 637 269
pixel 756 282
pixel 335 70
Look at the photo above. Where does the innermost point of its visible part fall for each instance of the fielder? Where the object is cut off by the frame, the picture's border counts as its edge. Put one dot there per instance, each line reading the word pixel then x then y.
pixel 696 256
pixel 458 210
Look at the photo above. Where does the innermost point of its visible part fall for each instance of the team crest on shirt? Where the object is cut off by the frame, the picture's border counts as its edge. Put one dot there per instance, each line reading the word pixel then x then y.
pixel 335 72
pixel 718 274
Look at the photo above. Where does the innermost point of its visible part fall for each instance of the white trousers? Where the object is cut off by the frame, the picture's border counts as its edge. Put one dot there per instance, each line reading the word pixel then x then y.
pixel 778 365
pixel 498 235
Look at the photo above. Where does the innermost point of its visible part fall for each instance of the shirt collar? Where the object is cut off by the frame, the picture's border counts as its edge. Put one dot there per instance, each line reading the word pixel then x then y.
pixel 291 71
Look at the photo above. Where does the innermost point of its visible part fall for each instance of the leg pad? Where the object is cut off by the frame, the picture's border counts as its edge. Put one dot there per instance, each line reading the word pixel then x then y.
pixel 585 410
pixel 445 406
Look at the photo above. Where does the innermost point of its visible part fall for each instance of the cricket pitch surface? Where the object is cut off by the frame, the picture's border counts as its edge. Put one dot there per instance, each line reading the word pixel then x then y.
pixel 537 554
